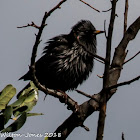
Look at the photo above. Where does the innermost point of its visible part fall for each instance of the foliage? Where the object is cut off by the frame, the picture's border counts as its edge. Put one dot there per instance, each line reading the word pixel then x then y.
pixel 19 110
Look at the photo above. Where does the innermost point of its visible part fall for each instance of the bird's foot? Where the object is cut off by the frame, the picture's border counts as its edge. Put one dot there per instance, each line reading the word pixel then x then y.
pixel 76 106
pixel 65 97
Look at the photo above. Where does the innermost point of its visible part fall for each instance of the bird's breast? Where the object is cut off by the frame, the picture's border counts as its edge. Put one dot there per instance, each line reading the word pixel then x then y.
pixel 75 64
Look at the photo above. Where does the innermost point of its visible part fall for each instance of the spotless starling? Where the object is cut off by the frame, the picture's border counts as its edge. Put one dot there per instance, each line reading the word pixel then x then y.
pixel 67 59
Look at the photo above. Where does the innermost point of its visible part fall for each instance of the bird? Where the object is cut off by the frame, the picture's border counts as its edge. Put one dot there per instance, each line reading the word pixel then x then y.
pixel 67 59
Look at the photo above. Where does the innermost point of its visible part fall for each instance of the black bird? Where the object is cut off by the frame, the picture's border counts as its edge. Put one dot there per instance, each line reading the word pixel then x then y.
pixel 67 59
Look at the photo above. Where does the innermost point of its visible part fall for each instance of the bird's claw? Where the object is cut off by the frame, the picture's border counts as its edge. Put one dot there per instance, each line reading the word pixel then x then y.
pixel 64 97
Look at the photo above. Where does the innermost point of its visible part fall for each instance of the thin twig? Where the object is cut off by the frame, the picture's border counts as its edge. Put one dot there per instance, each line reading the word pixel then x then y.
pixel 125 15
pixel 97 56
pixel 92 54
pixel 100 76
pixel 110 8
pixel 89 5
pixel 105 28
pixel 46 15
pixel 131 58
pixel 107 10
pixel 124 83
pixel 87 95
pixel 85 127
pixel 99 61
pixel 30 25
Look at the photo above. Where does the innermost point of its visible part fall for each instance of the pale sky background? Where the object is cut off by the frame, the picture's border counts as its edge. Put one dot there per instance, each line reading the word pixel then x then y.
pixel 123 113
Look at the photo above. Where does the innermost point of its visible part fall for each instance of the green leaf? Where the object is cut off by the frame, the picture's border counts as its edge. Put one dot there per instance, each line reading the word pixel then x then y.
pixel 18 102
pixel 28 90
pixel 34 114
pixel 7 114
pixel 19 110
pixel 28 98
pixel 16 125
pixel 6 95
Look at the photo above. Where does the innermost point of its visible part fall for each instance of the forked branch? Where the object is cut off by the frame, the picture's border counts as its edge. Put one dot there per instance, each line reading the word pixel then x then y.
pixel 103 104
pixel 131 58
pixel 30 25
pixel 70 102
pixel 90 106
pixel 124 83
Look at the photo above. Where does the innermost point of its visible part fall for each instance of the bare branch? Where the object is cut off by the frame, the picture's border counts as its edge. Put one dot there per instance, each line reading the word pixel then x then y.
pixel 99 61
pixel 90 106
pixel 85 127
pixel 100 76
pixel 131 58
pixel 70 102
pixel 119 55
pixel 107 10
pixel 89 5
pixel 46 15
pixel 103 104
pixel 110 8
pixel 87 95
pixel 124 83
pixel 93 55
pixel 105 28
pixel 75 120
pixel 125 15
pixel 30 25
pixel 97 56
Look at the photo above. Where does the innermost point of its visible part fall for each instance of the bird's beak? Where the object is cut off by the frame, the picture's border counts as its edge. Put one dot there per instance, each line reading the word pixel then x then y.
pixel 98 32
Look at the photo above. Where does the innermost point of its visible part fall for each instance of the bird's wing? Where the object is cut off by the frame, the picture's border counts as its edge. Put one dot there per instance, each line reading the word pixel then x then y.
pixel 55 47
pixel 60 42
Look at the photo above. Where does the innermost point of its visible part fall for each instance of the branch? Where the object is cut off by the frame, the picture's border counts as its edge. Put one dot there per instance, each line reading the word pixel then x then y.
pixel 75 120
pixel 87 95
pixel 105 28
pixel 30 25
pixel 107 10
pixel 125 15
pixel 70 102
pixel 89 5
pixel 46 15
pixel 124 83
pixel 99 60
pixel 90 106
pixel 131 58
pixel 119 55
pixel 110 8
pixel 102 113
pixel 92 54
pixel 97 56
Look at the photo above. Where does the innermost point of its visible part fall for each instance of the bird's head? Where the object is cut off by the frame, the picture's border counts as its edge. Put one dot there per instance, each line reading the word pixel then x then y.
pixel 85 33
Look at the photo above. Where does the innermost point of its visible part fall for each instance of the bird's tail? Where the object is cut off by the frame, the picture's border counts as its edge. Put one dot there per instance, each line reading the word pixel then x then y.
pixel 25 77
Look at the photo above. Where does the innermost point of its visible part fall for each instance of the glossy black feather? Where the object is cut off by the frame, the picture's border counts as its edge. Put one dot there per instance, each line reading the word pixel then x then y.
pixel 65 63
